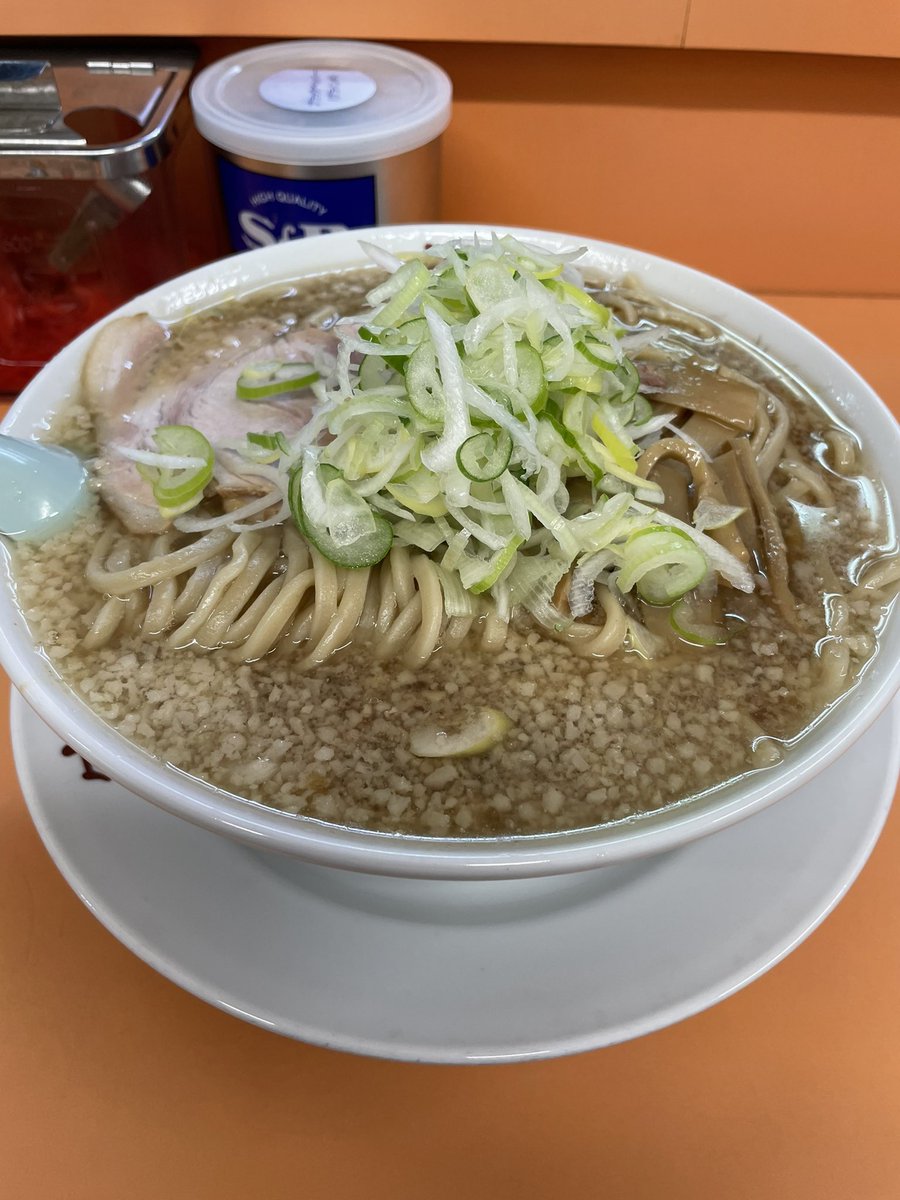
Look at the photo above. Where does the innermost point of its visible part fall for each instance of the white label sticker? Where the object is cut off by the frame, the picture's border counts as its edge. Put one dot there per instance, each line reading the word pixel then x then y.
pixel 321 89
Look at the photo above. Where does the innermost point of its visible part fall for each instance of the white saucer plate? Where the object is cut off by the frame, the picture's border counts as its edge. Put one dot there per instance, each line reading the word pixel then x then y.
pixel 457 972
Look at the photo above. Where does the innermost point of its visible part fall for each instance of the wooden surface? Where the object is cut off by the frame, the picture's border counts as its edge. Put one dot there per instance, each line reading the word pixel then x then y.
pixel 865 27
pixel 639 22
pixel 116 1084
pixel 813 26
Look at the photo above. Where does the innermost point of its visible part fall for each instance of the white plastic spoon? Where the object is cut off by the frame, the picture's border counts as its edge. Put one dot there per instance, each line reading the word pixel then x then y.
pixel 42 488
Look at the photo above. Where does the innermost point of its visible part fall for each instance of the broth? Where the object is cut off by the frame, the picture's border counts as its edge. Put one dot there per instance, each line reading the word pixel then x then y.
pixel 593 739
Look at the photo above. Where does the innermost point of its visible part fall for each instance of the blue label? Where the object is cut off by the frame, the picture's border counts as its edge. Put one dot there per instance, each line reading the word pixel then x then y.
pixel 262 210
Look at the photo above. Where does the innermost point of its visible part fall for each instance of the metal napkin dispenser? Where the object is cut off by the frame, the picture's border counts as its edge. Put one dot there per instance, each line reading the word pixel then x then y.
pixel 88 216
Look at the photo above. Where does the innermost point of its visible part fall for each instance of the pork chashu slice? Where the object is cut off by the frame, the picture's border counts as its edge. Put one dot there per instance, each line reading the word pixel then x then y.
pixel 135 379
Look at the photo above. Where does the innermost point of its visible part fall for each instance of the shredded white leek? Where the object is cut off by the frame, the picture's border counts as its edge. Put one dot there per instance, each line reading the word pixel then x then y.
pixel 496 337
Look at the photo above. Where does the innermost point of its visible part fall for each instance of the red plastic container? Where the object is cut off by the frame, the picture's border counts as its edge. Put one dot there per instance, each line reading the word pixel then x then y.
pixel 87 214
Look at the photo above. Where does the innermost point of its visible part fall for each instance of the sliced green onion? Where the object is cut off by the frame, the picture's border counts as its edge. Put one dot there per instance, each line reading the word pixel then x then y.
pixel 426 392
pixel 643 410
pixel 487 369
pixel 261 380
pixel 457 601
pixel 266 447
pixel 532 384
pixel 180 488
pixel 456 547
pixel 426 535
pixel 662 563
pixel 684 619
pixel 374 371
pixel 597 352
pixel 593 470
pixel 450 311
pixel 368 447
pixel 440 455
pixel 712 514
pixel 269 441
pixel 478 574
pixel 365 406
pixel 485 455
pixel 579 297
pixel 488 282
pixel 627 375
pixel 413 329
pixel 346 511
pixel 485 730
pixel 394 361
pixel 412 280
pixel 614 443
pixel 420 493
pixel 554 522
pixel 533 583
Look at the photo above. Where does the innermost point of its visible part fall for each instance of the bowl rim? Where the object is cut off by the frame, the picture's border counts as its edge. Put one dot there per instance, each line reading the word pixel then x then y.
pixel 448 857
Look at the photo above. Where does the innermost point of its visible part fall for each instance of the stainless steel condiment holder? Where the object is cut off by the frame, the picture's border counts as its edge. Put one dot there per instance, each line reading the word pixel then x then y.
pixel 38 91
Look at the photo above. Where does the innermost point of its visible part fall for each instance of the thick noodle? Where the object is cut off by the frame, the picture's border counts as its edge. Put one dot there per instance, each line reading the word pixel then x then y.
pixel 261 591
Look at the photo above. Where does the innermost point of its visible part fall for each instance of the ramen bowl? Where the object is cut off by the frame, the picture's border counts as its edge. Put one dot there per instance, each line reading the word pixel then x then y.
pixel 313 840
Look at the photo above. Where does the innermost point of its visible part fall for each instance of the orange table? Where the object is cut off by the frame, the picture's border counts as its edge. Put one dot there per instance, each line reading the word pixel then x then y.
pixel 114 1084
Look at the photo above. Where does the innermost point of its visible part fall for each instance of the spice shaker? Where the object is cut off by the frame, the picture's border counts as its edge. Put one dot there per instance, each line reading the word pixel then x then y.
pixel 318 136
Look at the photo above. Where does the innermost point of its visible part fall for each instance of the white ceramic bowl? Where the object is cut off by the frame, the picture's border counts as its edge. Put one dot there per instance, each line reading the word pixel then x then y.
pixel 487 858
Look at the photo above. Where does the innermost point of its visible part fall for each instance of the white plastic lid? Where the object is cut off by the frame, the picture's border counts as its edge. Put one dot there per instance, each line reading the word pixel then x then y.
pixel 321 103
